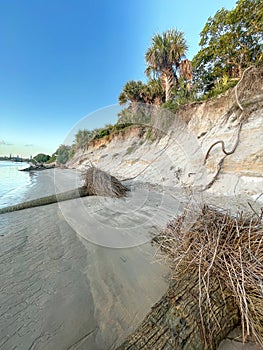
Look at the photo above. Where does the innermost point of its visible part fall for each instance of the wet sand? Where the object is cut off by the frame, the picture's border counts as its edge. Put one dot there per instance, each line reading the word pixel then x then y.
pixel 60 291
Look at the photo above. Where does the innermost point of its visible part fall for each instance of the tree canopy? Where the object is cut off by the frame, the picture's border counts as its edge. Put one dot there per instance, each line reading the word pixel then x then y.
pixel 132 92
pixel 62 154
pixel 164 57
pixel 42 158
pixel 230 42
pixel 138 92
pixel 82 137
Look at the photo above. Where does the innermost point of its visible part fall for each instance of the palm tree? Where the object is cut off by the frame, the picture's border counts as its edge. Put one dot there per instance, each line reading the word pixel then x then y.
pixel 137 92
pixel 131 92
pixel 164 57
pixel 152 92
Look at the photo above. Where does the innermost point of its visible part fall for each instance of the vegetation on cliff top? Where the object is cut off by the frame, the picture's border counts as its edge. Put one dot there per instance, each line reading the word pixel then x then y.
pixel 230 42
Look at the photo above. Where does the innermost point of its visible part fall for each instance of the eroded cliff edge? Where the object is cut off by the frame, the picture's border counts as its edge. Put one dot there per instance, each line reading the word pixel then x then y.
pixel 178 155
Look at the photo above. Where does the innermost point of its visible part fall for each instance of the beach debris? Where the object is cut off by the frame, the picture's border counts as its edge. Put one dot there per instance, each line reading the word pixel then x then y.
pixel 37 167
pixel 100 183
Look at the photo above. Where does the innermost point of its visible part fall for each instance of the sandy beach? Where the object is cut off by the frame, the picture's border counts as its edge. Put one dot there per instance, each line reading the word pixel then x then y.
pixel 60 291
pixel 82 274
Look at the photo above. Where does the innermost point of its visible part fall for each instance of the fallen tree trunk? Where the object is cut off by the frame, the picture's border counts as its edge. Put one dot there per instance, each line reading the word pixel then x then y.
pixel 54 198
pixel 97 183
pixel 174 322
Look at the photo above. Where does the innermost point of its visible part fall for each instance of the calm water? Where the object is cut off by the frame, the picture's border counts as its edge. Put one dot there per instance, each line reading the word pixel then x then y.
pixel 13 183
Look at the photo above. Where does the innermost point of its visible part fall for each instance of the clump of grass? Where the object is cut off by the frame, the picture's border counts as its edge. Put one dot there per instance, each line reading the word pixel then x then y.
pixel 217 245
pixel 152 135
pixel 130 150
pixel 149 134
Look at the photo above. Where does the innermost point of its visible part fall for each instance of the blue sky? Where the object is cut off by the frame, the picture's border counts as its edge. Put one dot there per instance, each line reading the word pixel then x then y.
pixel 62 60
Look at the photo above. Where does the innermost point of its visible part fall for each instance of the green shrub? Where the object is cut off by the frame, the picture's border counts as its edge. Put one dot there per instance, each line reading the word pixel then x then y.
pixel 222 86
pixel 149 134
pixel 121 126
pixel 51 160
pixel 62 154
pixel 130 150
pixel 41 158
pixel 101 133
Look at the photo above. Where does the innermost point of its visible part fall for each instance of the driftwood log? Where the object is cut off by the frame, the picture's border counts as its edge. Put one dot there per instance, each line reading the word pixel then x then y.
pixel 96 183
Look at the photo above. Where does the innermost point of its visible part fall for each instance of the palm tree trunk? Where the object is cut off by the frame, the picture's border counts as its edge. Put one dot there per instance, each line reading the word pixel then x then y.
pixel 54 198
pixel 175 323
pixel 168 81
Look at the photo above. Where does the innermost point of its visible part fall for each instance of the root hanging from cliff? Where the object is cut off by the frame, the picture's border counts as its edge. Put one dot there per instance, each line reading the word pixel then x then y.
pixel 250 86
pixel 221 162
pixel 227 153
pixel 247 88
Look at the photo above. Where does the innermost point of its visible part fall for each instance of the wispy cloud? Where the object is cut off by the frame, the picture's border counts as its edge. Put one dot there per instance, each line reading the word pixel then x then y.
pixel 4 143
pixel 29 145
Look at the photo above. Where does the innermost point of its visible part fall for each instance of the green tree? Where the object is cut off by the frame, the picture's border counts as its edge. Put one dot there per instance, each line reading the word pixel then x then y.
pixel 42 158
pixel 62 154
pixel 164 57
pixel 136 92
pixel 71 152
pixel 82 137
pixel 230 42
pixel 152 92
pixel 131 92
